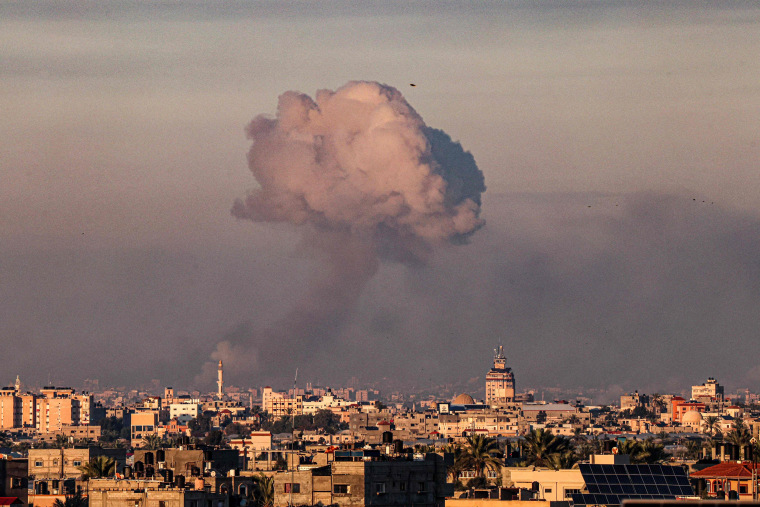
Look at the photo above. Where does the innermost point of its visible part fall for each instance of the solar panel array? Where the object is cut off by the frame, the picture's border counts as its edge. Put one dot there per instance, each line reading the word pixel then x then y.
pixel 611 484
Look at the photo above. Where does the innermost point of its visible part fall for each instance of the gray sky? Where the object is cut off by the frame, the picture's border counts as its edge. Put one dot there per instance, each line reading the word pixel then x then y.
pixel 124 149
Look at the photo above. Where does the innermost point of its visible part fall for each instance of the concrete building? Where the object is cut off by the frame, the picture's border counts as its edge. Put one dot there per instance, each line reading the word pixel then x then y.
pixel 10 408
pixel 143 424
pixel 54 473
pixel 184 412
pixel 355 480
pixel 279 404
pixel 14 478
pixel 633 400
pixel 710 391
pixel 553 485
pixel 131 493
pixel 500 381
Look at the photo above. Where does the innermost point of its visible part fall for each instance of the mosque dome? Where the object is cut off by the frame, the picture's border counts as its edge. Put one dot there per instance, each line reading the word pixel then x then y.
pixel 692 417
pixel 463 399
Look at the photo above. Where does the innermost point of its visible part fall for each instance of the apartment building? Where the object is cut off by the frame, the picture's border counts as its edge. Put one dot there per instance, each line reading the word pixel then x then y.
pixel 279 404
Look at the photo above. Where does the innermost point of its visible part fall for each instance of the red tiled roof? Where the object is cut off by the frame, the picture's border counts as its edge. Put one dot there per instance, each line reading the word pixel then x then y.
pixel 724 470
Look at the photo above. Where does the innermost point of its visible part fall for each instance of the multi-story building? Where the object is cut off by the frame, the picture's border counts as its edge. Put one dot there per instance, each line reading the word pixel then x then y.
pixel 356 479
pixel 154 493
pixel 183 412
pixel 54 412
pixel 328 401
pixel 10 408
pixel 500 381
pixel 633 400
pixel 710 390
pixel 143 424
pixel 279 404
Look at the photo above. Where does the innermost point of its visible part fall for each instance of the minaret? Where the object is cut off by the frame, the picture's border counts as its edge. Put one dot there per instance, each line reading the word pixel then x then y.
pixel 220 382
pixel 18 385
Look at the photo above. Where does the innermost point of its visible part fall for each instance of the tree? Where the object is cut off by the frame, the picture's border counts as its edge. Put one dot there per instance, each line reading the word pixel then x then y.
pixel 712 425
pixel 456 469
pixel 564 460
pixel 478 454
pixel 739 435
pixel 214 437
pixel 99 466
pixel 61 441
pixel 541 445
pixel 152 442
pixel 75 500
pixel 264 490
pixel 647 451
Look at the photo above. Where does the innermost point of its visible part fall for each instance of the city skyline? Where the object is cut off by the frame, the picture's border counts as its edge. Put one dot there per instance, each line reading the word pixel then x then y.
pixel 617 141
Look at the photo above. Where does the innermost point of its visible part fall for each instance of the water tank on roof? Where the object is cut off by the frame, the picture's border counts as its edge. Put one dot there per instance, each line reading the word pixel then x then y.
pixel 180 479
pixel 160 456
pixel 148 458
pixel 387 437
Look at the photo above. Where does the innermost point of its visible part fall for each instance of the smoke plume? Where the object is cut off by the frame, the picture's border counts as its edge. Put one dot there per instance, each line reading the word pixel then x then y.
pixel 367 180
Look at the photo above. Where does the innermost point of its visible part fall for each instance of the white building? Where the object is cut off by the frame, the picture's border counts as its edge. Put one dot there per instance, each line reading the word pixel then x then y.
pixel 183 412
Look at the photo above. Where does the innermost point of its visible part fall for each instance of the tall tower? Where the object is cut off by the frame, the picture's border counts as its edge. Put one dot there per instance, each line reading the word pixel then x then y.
pixel 500 381
pixel 220 382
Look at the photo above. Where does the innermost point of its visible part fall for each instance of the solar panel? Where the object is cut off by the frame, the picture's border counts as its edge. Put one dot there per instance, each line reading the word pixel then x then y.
pixel 611 484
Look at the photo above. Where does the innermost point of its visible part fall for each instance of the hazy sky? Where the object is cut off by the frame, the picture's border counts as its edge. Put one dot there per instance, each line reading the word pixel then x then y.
pixel 619 143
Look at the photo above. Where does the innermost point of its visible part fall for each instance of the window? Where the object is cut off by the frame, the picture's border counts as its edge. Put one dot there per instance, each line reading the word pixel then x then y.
pixel 341 489
pixel 292 487
pixel 77 463
pixel 547 490
pixel 421 487
pixel 743 489
pixel 38 463
pixel 380 488
pixel 402 486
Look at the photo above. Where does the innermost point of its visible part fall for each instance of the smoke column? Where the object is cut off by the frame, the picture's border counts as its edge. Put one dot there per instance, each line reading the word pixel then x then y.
pixel 367 180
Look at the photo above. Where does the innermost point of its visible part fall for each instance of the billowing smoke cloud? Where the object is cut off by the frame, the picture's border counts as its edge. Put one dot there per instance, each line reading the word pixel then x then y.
pixel 368 180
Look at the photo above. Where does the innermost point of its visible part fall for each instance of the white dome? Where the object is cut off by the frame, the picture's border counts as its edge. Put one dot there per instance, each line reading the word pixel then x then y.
pixel 691 417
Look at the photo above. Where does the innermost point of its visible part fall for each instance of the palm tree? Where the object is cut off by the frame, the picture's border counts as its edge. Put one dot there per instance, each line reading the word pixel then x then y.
pixel 75 500
pixel 647 451
pixel 478 454
pixel 652 452
pixel 739 435
pixel 61 441
pixel 264 490
pixel 711 425
pixel 455 470
pixel 99 466
pixel 564 460
pixel 152 442
pixel 541 445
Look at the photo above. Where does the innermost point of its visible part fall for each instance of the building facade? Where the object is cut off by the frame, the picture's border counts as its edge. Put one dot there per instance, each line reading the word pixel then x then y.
pixel 500 381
